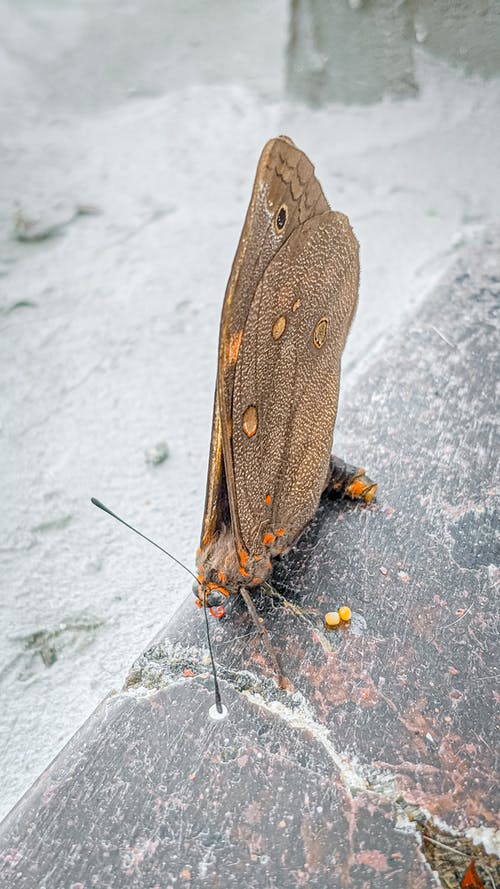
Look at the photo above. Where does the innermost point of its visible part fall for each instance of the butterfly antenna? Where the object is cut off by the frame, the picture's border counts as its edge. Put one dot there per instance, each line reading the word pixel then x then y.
pixel 219 711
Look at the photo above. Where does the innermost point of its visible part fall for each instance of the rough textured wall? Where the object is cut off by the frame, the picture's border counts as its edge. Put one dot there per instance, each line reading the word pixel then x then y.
pixel 361 50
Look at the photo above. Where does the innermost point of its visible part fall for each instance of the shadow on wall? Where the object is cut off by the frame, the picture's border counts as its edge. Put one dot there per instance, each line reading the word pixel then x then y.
pixel 362 50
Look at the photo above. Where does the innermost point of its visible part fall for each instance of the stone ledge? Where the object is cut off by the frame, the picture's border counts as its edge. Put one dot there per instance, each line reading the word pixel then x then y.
pixel 386 730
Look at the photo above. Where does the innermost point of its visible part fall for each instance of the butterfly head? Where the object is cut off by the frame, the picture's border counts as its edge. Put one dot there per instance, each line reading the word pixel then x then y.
pixel 223 569
pixel 212 595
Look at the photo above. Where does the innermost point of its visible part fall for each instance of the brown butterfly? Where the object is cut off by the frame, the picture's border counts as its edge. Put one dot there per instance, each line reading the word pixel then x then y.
pixel 288 307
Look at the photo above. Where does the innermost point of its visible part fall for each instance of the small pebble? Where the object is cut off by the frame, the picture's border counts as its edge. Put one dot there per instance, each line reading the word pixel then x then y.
pixel 383 570
pixel 332 619
pixel 156 455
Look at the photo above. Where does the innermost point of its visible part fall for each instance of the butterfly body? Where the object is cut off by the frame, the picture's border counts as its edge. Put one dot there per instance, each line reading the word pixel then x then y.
pixel 289 303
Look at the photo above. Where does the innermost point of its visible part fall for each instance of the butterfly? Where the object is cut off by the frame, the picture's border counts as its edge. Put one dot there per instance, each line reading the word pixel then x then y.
pixel 289 303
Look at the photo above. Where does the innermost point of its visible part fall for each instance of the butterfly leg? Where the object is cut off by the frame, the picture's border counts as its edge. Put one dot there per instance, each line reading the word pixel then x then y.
pixel 308 615
pixel 285 603
pixel 264 636
pixel 344 480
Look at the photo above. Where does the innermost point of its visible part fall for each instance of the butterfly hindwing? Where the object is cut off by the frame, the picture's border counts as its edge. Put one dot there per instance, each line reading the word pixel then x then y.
pixel 287 377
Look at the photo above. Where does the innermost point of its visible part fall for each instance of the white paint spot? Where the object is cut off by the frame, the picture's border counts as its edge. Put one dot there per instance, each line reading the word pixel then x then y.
pixel 216 715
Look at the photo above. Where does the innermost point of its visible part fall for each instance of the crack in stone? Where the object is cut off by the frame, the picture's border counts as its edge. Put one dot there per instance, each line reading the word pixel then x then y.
pixel 300 717
pixel 358 777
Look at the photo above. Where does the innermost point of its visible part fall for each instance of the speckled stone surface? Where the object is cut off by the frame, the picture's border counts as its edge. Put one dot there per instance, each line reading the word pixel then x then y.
pixel 383 721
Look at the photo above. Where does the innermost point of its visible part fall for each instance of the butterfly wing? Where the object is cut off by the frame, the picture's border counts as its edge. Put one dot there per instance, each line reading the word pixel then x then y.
pixel 286 379
pixel 284 182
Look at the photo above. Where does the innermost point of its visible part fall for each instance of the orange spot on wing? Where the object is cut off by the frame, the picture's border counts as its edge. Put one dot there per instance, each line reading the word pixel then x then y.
pixel 233 347
pixel 220 589
pixel 243 557
pixel 280 532
pixel 221 576
pixel 244 573
pixel 268 539
pixel 269 499
pixel 250 421
pixel 207 538
pixel 199 577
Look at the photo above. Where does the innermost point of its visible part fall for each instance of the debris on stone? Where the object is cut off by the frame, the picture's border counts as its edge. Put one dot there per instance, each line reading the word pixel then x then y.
pixel 157 454
pixel 48 224
pixel 332 619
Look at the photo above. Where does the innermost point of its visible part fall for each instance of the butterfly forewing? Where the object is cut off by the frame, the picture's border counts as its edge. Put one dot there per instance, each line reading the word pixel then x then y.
pixel 285 195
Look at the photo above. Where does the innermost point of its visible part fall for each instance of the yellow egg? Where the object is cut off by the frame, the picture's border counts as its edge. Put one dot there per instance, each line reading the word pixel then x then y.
pixel 345 613
pixel 332 619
